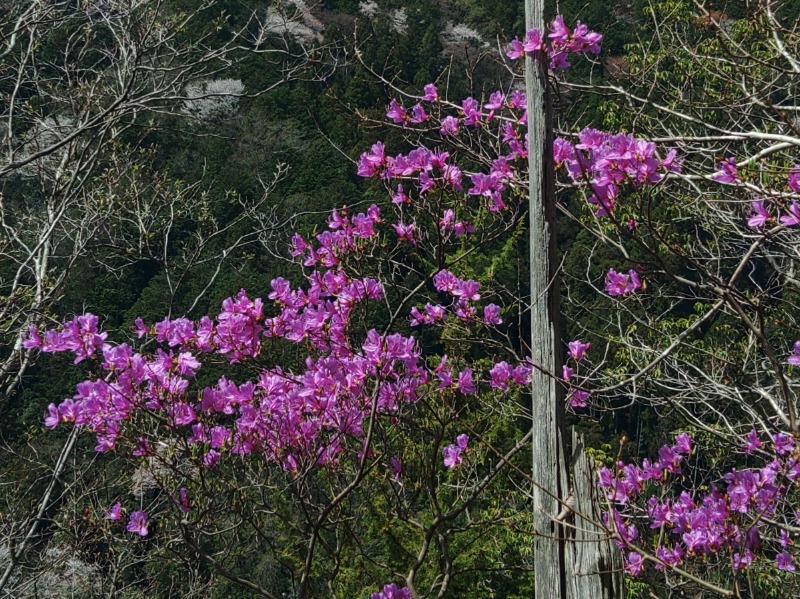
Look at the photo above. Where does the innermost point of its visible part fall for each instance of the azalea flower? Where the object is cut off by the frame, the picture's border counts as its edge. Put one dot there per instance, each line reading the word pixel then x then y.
pixel 452 453
pixel 578 349
pixel 633 563
pixel 622 284
pixel 760 215
pixel 784 561
pixel 430 93
pixel 793 218
pixel 114 512
pixel 138 523
pixel 578 398
pixel 391 591
pixel 728 172
pixel 794 357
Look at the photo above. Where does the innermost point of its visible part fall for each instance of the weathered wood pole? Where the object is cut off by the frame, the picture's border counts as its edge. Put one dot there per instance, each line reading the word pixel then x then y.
pixel 573 559
pixel 549 460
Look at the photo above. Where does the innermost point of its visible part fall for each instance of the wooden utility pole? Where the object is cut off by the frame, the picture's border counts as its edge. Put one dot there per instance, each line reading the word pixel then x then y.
pixel 549 463
pixel 586 566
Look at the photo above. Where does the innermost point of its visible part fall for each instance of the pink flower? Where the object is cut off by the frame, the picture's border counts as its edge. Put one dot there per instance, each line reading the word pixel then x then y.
pixel 139 327
pixel 115 512
pixel 491 314
pixel 466 384
pixel 784 540
pixel 452 456
pixel 138 523
pixel 794 357
pixel 752 442
pixel 397 113
pixel 369 164
pixel 449 126
pixel 742 560
pixel 533 41
pixel 728 172
pixel 578 349
pixel 452 453
pixel 33 341
pixel 563 151
pixel 183 501
pixel 472 112
pixel 794 179
pixel 622 284
pixel 406 232
pixel 784 444
pixel 391 591
pixel 793 218
pixel 559 32
pixel 143 448
pixel 431 94
pixel 578 398
pixel 633 563
pixel 187 364
pixel 496 102
pixel 515 50
pixel 784 561
pixel 418 114
pixel 396 466
pixel 499 375
pixel 400 197
pixel 759 216
pixel 211 459
pixel 53 417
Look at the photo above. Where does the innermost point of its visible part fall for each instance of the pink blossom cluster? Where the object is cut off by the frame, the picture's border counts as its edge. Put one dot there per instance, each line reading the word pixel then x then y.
pixel 391 591
pixel 618 283
pixel 737 517
pixel 433 170
pixel 449 224
pixel 452 453
pixel 608 161
pixel 344 235
pixel 283 415
pixel 286 416
pixel 427 170
pixel 562 42
pixel 464 294
pixel 760 214
pixel 79 336
pixel 502 375
pixel 576 397
pixel 464 383
pixel 137 523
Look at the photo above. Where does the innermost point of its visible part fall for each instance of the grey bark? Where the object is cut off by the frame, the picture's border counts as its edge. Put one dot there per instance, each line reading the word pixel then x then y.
pixel 549 465
pixel 573 556
pixel 594 568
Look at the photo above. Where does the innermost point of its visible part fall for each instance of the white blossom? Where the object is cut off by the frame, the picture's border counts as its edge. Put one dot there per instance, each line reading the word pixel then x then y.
pixel 218 98
pixel 368 8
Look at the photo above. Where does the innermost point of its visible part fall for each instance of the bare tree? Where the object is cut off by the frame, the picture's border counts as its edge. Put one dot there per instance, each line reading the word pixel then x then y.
pixel 78 82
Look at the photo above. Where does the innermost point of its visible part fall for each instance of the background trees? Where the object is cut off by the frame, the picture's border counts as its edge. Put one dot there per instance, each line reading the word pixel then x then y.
pixel 86 88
